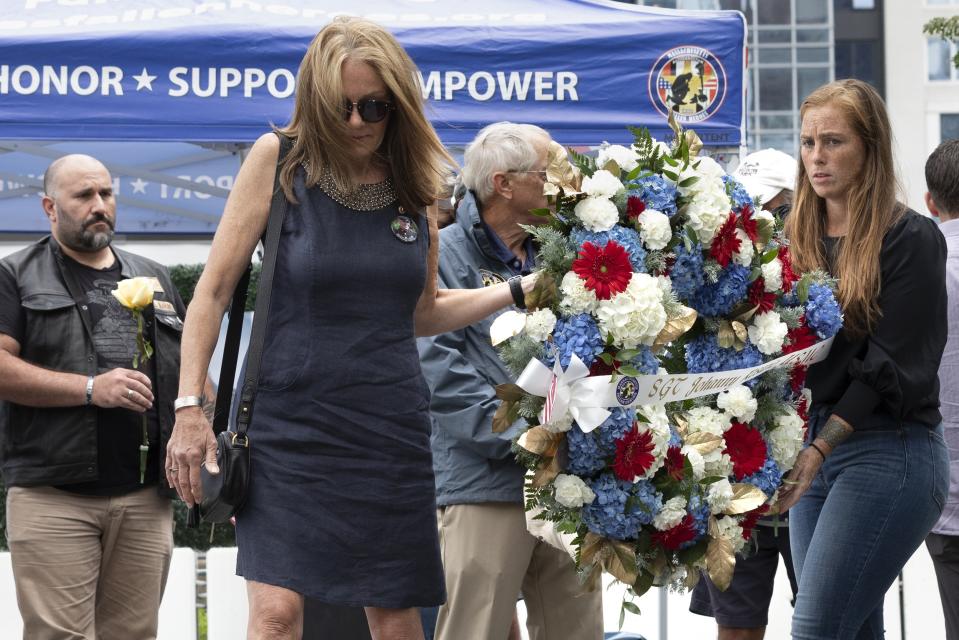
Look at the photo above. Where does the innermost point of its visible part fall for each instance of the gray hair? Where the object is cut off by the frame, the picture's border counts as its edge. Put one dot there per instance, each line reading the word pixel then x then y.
pixel 502 146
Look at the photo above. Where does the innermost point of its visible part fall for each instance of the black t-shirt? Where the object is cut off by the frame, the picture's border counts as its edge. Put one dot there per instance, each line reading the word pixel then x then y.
pixel 119 431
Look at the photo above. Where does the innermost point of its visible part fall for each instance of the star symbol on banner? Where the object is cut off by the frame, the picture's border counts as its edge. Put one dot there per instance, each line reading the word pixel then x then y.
pixel 139 186
pixel 144 80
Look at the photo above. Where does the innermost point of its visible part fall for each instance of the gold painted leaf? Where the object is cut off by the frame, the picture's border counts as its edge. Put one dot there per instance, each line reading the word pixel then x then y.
pixel 704 442
pixel 612 167
pixel 725 337
pixel 676 326
pixel 560 172
pixel 741 334
pixel 547 472
pixel 541 441
pixel 506 414
pixel 720 561
pixel 746 497
pixel 544 293
pixel 509 392
pixel 592 545
pixel 695 144
pixel 621 562
pixel 682 424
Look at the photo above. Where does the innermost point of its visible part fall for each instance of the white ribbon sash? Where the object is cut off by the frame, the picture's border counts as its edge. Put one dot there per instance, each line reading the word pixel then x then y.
pixel 586 397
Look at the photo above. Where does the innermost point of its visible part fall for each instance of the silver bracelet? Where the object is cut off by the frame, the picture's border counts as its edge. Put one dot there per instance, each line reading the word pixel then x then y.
pixel 187 401
pixel 90 390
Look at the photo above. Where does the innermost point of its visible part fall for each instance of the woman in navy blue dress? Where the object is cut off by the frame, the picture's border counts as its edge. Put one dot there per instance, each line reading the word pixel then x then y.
pixel 341 505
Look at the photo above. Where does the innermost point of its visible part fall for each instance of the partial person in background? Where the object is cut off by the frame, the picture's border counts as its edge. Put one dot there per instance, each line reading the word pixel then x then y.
pixel 90 533
pixel 872 480
pixel 942 200
pixel 742 610
pixel 769 175
pixel 488 555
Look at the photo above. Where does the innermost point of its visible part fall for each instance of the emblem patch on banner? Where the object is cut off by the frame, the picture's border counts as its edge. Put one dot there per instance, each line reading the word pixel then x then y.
pixel 626 390
pixel 690 81
pixel 490 278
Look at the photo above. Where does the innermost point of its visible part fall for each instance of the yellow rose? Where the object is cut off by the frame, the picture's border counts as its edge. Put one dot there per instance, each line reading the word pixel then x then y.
pixel 134 293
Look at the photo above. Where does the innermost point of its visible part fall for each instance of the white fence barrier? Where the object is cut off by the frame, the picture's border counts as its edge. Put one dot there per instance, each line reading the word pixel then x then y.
pixel 227 607
pixel 177 611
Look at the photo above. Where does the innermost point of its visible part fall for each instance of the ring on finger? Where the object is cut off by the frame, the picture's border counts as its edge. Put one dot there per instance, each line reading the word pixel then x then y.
pixel 129 394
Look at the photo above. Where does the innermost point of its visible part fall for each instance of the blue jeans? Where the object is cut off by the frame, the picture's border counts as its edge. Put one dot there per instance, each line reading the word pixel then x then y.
pixel 868 509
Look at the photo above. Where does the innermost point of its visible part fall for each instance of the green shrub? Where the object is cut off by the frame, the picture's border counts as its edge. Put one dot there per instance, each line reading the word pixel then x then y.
pixel 185 277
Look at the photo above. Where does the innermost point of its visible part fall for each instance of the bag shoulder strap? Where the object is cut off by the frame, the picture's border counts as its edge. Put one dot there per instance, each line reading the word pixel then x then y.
pixel 271 242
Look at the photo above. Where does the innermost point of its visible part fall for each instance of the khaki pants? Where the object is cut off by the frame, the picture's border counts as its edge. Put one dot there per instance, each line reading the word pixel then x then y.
pixel 488 558
pixel 86 566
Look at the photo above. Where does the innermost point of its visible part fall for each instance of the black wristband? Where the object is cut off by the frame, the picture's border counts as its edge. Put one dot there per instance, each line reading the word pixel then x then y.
pixel 516 288
pixel 818 450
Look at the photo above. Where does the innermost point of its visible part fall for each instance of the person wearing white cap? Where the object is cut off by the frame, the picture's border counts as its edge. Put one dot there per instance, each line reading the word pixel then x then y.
pixel 769 175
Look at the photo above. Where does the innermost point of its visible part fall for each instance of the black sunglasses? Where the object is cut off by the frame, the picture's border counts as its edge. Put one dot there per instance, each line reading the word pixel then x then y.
pixel 370 110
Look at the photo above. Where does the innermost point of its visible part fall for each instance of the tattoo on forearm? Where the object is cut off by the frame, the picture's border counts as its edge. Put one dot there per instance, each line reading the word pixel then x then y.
pixel 834 432
pixel 209 404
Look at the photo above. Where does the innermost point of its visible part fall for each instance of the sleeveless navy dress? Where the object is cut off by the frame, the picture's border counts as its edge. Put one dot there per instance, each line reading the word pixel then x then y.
pixel 342 504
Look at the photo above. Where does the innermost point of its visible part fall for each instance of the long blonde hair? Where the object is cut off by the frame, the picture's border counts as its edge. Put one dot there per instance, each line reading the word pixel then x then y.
pixel 871 204
pixel 412 151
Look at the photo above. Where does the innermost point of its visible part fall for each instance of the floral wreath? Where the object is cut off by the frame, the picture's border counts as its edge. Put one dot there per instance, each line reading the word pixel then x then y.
pixel 658 272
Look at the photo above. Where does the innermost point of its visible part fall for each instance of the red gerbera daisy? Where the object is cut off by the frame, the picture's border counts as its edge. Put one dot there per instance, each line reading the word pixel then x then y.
pixel 759 297
pixel 746 448
pixel 634 454
pixel 674 538
pixel 789 276
pixel 749 223
pixel 725 242
pixel 634 207
pixel 605 271
pixel 797 378
pixel 675 464
pixel 751 518
pixel 799 338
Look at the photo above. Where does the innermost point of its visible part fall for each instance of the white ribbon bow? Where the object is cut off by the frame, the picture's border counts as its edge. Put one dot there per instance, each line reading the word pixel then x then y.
pixel 565 391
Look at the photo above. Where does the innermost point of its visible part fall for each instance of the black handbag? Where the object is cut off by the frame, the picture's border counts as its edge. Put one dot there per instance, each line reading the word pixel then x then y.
pixel 224 494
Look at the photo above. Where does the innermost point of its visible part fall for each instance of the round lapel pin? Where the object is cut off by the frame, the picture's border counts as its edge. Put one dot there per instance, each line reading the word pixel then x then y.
pixel 404 228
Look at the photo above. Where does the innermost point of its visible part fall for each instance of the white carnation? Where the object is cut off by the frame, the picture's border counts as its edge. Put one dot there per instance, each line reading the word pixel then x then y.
pixel 602 184
pixel 739 402
pixel 625 158
pixel 634 316
pixel 560 424
pixel 539 324
pixel 773 275
pixel 786 439
pixel 572 492
pixel 746 251
pixel 717 463
pixel 708 209
pixel 696 461
pixel 576 297
pixel 597 214
pixel 673 512
pixel 761 215
pixel 729 529
pixel 708 420
pixel 706 167
pixel 719 496
pixel 767 333
pixel 654 229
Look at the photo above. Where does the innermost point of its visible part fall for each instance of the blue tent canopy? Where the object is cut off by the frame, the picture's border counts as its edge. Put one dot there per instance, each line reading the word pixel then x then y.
pixel 219 71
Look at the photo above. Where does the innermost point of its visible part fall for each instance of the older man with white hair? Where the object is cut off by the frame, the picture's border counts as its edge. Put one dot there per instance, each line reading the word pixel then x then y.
pixel 488 555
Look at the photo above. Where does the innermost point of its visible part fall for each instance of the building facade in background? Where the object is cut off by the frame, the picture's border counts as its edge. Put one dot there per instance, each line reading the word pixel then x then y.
pixel 922 87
